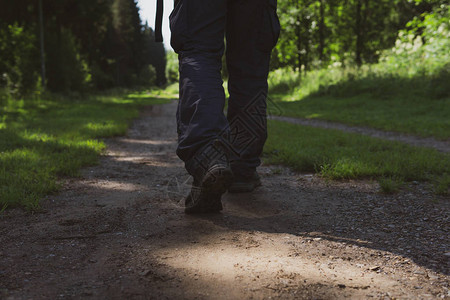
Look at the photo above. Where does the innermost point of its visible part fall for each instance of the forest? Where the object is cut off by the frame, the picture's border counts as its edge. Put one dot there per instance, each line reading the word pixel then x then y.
pixel 76 45
pixel 319 33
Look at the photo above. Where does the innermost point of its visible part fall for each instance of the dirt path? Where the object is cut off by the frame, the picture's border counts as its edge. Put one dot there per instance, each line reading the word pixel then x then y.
pixel 443 146
pixel 119 232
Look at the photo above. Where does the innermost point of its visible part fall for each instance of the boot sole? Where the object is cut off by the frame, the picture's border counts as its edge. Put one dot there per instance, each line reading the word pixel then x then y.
pixel 216 182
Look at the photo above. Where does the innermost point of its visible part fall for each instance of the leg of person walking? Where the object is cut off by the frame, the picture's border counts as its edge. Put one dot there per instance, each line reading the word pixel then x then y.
pixel 198 28
pixel 252 31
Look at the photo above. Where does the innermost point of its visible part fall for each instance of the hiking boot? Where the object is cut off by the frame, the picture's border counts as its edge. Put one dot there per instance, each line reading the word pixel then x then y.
pixel 205 197
pixel 212 177
pixel 244 184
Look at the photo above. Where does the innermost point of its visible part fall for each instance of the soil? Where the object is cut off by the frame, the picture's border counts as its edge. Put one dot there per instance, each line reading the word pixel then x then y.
pixel 119 232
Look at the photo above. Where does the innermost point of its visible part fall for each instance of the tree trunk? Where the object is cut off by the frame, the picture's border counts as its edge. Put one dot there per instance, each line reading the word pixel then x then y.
pixel 298 30
pixel 41 39
pixel 358 33
pixel 360 30
pixel 322 31
pixel 307 35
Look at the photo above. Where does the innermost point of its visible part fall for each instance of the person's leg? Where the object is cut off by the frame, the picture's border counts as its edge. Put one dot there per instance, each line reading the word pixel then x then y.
pixel 197 36
pixel 252 31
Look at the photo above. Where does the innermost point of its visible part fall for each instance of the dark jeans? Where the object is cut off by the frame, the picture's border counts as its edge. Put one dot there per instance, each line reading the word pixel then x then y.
pixel 251 29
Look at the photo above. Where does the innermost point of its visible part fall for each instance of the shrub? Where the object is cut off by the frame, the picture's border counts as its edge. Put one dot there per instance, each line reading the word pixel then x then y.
pixel 19 58
pixel 172 67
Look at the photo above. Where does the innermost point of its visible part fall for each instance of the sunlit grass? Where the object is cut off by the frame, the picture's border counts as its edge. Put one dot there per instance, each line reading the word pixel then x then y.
pixel 339 155
pixel 375 96
pixel 408 114
pixel 43 139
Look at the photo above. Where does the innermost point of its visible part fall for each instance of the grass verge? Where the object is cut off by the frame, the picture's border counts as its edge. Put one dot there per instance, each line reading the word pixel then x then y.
pixel 339 155
pixel 413 115
pixel 42 139
pixel 418 105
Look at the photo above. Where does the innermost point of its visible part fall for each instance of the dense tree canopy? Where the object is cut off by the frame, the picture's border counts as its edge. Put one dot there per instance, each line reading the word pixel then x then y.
pixel 321 32
pixel 103 43
pixel 88 43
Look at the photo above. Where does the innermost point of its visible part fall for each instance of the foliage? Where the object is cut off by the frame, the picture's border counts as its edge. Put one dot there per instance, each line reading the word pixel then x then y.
pixel 18 58
pixel 88 44
pixel 425 42
pixel 147 76
pixel 155 53
pixel 404 88
pixel 172 74
pixel 67 70
pixel 406 91
pixel 322 32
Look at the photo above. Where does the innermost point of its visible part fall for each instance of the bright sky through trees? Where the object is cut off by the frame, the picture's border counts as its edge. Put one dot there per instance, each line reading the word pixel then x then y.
pixel 148 12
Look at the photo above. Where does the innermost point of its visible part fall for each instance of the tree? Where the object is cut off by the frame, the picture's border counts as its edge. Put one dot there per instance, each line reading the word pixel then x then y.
pixel 90 43
pixel 316 33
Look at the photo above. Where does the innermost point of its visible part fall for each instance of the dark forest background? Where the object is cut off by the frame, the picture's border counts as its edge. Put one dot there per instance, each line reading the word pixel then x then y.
pixel 317 33
pixel 89 44
pixel 102 44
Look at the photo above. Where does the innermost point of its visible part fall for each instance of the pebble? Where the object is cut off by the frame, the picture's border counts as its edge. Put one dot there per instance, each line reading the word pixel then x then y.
pixel 419 272
pixel 145 273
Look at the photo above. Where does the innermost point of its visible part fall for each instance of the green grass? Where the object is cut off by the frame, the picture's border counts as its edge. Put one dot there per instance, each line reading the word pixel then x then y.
pixel 409 96
pixel 390 185
pixel 407 91
pixel 339 155
pixel 442 185
pixel 413 115
pixel 43 139
pixel 418 105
